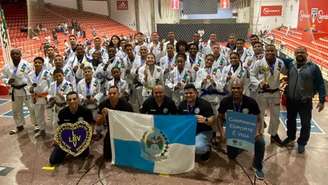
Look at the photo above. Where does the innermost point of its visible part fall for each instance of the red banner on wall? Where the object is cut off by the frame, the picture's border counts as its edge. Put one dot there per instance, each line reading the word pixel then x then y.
pixel 313 15
pixel 224 4
pixel 122 5
pixel 175 4
pixel 275 10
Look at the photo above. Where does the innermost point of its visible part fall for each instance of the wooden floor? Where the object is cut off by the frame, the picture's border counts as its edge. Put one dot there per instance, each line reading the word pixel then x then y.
pixel 26 156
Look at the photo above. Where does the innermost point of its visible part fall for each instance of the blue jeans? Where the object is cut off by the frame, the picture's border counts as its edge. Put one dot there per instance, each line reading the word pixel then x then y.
pixel 259 150
pixel 203 142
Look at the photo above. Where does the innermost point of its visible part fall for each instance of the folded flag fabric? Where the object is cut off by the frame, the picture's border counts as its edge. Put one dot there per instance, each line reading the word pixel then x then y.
pixel 155 144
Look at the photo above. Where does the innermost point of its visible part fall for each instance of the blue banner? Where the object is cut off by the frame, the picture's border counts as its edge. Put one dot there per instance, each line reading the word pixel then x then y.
pixel 241 130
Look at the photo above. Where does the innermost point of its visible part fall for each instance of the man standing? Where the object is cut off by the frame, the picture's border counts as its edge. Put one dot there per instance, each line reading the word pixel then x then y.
pixel 304 81
pixel 238 102
pixel 158 103
pixel 114 102
pixel 205 119
pixel 264 77
pixel 16 76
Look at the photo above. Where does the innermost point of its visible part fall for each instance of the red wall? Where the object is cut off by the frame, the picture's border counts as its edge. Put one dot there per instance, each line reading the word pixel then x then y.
pixel 305 18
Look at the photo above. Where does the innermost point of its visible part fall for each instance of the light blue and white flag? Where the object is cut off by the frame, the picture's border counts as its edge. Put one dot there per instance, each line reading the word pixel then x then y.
pixel 156 144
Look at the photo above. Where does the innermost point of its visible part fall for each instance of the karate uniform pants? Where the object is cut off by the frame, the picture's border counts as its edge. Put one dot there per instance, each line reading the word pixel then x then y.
pixel 271 102
pixel 17 107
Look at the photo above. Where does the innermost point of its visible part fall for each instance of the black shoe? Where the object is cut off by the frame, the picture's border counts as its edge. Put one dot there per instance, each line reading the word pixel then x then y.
pixel 205 157
pixel 17 130
pixel 287 141
pixel 276 139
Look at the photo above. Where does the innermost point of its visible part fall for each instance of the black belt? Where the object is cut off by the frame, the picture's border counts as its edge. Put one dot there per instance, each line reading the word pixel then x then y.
pixel 16 87
pixel 212 92
pixel 269 91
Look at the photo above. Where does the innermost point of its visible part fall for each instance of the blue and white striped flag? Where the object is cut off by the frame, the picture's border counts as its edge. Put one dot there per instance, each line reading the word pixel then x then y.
pixel 156 144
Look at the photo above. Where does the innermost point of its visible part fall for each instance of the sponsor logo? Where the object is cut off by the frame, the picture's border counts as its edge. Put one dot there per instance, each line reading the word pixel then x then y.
pixel 316 15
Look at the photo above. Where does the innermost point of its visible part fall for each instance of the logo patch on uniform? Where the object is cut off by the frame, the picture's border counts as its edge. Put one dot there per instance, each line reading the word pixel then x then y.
pixel 245 110
pixel 165 110
pixel 154 145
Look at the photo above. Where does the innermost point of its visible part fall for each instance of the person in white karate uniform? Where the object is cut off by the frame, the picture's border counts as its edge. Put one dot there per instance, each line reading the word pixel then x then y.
pixel 90 95
pixel 49 59
pixel 207 82
pixel 150 75
pixel 39 85
pixel 207 46
pixel 250 63
pixel 194 61
pixel 70 50
pixel 56 95
pixel 68 71
pixel 220 60
pixel 89 90
pixel 120 83
pixel 97 47
pixel 178 78
pixel 234 70
pixel 265 75
pixel 242 51
pixel 15 75
pixel 155 46
pixel 137 64
pixel 167 62
pixel 170 40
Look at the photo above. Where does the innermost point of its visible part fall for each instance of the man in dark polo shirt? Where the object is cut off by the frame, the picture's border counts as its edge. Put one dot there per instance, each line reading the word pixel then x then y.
pixel 238 102
pixel 71 114
pixel 114 102
pixel 158 103
pixel 205 118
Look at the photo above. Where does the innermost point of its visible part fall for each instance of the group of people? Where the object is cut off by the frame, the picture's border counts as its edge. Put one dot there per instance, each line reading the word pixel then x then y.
pixel 206 79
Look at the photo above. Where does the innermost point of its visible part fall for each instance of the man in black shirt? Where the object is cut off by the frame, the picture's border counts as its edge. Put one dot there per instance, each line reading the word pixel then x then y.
pixel 158 103
pixel 205 118
pixel 70 114
pixel 114 102
pixel 238 102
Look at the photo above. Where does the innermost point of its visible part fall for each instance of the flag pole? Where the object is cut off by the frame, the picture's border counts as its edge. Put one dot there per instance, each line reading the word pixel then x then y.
pixel 5 40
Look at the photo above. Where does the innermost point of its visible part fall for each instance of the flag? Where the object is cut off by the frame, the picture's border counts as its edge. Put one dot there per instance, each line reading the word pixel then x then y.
pixel 4 38
pixel 155 144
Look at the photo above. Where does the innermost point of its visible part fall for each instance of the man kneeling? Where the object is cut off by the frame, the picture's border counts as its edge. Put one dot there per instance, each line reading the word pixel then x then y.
pixel 70 114
pixel 238 102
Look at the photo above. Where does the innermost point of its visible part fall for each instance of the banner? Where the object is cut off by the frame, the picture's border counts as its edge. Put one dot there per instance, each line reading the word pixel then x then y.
pixel 241 130
pixel 271 10
pixel 156 144
pixel 74 138
pixel 313 15
pixel 4 38
pixel 224 4
pixel 175 4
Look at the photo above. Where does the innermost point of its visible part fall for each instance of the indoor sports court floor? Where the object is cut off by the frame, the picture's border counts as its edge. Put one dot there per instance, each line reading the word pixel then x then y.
pixel 22 158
